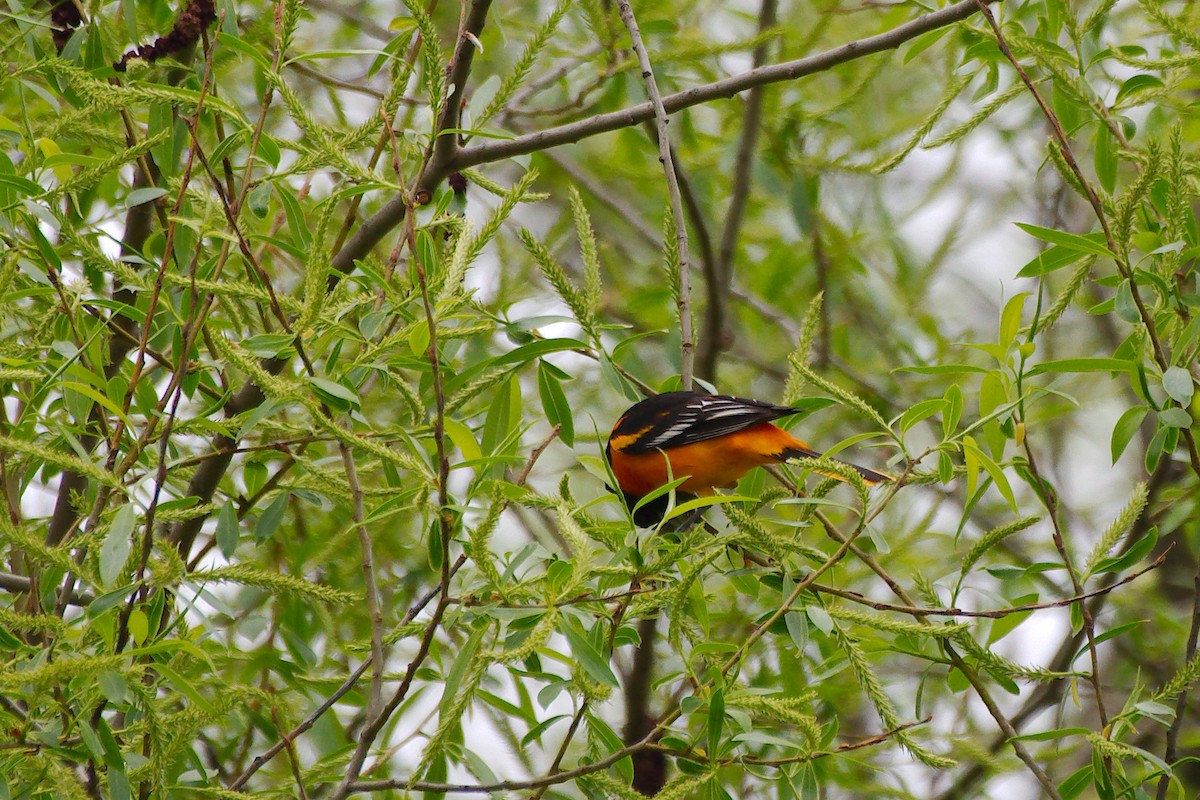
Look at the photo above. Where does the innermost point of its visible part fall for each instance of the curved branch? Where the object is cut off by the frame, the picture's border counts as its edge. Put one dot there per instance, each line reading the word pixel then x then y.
pixel 386 218
pixel 442 155
pixel 776 73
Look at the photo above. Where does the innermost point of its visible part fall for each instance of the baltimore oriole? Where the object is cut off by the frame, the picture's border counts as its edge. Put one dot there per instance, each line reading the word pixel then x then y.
pixel 712 439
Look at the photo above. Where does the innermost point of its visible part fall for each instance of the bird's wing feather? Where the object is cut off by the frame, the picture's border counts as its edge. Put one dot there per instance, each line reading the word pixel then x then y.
pixel 701 418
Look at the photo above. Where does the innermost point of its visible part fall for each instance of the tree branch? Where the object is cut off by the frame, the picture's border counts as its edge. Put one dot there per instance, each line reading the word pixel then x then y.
pixel 375 227
pixel 687 345
pixel 789 70
pixel 712 342
pixel 444 151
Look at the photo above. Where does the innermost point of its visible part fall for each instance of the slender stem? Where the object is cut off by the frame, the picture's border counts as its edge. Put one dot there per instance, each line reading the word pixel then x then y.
pixel 391 214
pixel 1147 319
pixel 994 613
pixel 1050 501
pixel 512 786
pixel 487 152
pixel 712 343
pixel 341 691
pixel 375 698
pixel 686 343
pixel 981 690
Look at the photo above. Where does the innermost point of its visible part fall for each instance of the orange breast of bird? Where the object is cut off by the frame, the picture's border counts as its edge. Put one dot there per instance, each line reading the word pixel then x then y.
pixel 709 464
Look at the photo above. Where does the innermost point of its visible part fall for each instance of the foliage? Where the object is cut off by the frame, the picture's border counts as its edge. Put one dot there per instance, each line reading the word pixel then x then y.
pixel 312 329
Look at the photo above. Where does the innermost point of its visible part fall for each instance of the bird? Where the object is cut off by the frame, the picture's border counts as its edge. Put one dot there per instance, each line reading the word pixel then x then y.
pixel 712 439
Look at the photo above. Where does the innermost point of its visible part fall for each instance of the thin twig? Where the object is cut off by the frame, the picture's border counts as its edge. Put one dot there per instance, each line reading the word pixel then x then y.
pixel 1050 501
pixel 375 697
pixel 293 760
pixel 1147 319
pixel 391 214
pixel 712 342
pixel 558 777
pixel 262 760
pixel 686 343
pixel 981 689
pixel 487 152
pixel 846 747
pixel 996 613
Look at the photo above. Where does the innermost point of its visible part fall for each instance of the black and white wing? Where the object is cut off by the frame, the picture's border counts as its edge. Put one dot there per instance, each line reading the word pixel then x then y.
pixel 677 419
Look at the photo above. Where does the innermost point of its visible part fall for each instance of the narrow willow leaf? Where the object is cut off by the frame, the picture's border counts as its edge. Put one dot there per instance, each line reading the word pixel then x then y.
pixel 115 550
pixel 228 530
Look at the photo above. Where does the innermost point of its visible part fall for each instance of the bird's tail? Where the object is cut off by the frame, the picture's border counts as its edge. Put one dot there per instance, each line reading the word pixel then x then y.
pixel 868 475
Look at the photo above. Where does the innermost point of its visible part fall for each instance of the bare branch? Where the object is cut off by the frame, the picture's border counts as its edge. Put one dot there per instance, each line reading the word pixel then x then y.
pixel 665 157
pixel 375 698
pixel 712 341
pixel 728 87
pixel 374 228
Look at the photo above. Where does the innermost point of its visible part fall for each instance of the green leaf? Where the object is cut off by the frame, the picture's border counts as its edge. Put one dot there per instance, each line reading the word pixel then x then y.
pixel 924 42
pixel 1070 241
pixel 797 628
pixel 1074 784
pixel 464 439
pixel 144 195
pixel 1136 552
pixel 115 550
pixel 716 720
pixel 228 530
pixel 502 417
pixel 1138 83
pixel 1005 625
pixel 1049 736
pixel 297 223
pixel 1178 383
pixel 1010 319
pixel 610 742
pixel 972 450
pixel 1083 365
pixel 23 185
pixel 112 750
pixel 271 345
pixel 418 338
pixel 139 626
pixel 590 658
pixel 90 739
pixel 1124 304
pixel 335 394
pixel 434 544
pixel 922 410
pixel 113 685
pixel 256 54
pixel 820 618
pixel 941 369
pixel 1157 446
pixel 535 732
pixel 268 523
pixel 1125 428
pixel 554 403
pixel 118 785
pixel 954 402
pixel 704 502
pixel 259 200
pixel 458 668
pixel 180 682
pixel 1104 159
pixel 1111 633
pixel 945 467
pixel 1054 258
pixel 1175 417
